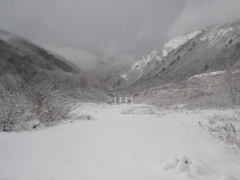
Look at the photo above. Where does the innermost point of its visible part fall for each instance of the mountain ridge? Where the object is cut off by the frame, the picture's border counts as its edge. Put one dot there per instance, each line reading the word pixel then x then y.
pixel 215 47
pixel 30 48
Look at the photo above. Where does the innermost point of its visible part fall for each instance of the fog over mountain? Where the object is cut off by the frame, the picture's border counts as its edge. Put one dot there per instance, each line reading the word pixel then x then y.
pixel 114 29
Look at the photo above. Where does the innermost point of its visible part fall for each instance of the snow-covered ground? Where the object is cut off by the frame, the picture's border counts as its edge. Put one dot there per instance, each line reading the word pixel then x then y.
pixel 122 142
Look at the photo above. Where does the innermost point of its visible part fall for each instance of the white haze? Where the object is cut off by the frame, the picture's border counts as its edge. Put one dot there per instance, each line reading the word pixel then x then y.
pixel 82 58
pixel 120 30
pixel 197 14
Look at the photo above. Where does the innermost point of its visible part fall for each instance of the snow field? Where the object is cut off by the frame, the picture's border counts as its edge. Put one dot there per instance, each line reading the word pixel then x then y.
pixel 119 146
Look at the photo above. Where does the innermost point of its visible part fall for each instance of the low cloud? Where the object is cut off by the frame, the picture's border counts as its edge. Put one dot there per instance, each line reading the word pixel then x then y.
pixel 120 30
pixel 200 13
pixel 85 60
pixel 146 32
pixel 118 50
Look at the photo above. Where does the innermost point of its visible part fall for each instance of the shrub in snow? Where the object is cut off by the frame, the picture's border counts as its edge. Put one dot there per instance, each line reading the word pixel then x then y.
pixel 181 165
pixel 49 105
pixel 39 101
pixel 44 94
pixel 226 128
pixel 12 108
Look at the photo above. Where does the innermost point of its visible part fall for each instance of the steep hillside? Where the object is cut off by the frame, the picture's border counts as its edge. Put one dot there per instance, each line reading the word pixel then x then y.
pixel 218 89
pixel 25 56
pixel 216 47
pixel 38 86
pixel 24 62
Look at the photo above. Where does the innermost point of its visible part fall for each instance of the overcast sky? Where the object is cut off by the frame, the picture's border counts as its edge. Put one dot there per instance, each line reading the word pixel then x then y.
pixel 117 29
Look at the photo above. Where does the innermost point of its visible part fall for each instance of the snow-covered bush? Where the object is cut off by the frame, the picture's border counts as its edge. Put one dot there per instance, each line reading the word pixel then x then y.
pixel 45 95
pixel 80 86
pixel 226 128
pixel 38 102
pixel 48 104
pixel 12 110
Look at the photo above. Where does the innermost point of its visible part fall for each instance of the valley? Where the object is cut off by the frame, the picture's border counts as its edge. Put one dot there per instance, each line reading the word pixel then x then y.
pixel 173 113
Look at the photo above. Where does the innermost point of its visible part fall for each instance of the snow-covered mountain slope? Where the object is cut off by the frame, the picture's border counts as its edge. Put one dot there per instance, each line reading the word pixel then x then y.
pixel 216 47
pixel 178 41
pixel 22 47
pixel 166 49
pixel 24 64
